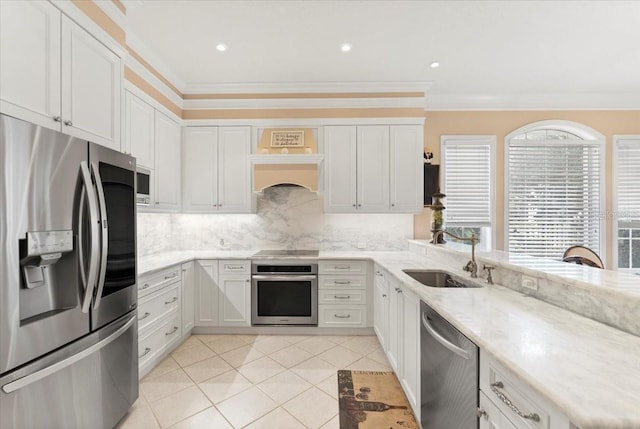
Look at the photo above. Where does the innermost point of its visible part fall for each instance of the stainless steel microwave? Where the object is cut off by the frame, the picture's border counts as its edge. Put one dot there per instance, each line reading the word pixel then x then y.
pixel 143 182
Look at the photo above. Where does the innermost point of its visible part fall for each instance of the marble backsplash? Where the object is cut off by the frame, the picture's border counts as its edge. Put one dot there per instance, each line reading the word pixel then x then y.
pixel 286 218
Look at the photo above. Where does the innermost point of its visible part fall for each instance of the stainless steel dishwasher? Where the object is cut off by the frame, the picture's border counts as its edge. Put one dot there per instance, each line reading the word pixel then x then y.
pixel 449 374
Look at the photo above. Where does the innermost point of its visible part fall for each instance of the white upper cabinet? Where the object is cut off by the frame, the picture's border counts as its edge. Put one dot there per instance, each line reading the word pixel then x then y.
pixel 407 182
pixel 139 130
pixel 30 62
pixel 167 156
pixel 217 176
pixel 340 169
pixel 234 177
pixel 200 167
pixel 373 169
pixel 91 87
pixel 55 74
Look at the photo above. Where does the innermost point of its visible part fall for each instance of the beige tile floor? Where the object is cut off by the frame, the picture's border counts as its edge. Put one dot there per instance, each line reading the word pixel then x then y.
pixel 251 381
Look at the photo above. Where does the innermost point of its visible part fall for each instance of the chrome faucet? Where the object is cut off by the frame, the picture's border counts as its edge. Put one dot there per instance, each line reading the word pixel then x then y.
pixel 470 266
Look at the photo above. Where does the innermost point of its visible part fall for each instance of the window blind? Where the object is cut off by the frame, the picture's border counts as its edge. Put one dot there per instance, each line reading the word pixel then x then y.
pixel 554 196
pixel 627 208
pixel 627 187
pixel 467 182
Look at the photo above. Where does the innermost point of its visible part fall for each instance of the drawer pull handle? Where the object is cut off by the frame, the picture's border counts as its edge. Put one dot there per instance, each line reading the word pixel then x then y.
pixel 144 316
pixel 171 276
pixel 175 328
pixel 379 274
pixel 175 298
pixel 337 316
pixel 342 282
pixel 342 296
pixel 146 285
pixel 340 267
pixel 146 352
pixel 495 389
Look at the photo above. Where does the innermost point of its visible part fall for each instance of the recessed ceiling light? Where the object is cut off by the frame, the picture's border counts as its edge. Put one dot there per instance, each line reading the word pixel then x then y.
pixel 346 47
pixel 434 64
pixel 221 47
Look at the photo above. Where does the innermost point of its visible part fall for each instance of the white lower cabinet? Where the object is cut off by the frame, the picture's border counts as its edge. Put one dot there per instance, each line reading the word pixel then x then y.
pixel 342 294
pixel 206 293
pixel 223 293
pixel 381 307
pixel 403 334
pixel 491 417
pixel 159 316
pixel 188 296
pixel 511 403
pixel 410 351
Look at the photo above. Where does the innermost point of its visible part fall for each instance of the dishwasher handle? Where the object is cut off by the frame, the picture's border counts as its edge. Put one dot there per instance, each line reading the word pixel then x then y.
pixel 439 338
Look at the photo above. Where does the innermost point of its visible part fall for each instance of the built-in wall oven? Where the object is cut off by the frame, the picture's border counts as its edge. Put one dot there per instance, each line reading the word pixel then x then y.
pixel 284 292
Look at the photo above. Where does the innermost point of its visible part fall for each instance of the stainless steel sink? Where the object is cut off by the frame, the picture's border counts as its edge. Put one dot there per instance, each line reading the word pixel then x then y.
pixel 438 278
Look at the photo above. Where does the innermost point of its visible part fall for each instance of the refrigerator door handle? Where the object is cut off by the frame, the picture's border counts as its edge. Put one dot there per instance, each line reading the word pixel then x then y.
pixel 44 372
pixel 104 227
pixel 90 280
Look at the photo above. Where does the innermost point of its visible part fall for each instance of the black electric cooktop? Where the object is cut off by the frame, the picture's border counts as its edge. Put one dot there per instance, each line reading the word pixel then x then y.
pixel 294 253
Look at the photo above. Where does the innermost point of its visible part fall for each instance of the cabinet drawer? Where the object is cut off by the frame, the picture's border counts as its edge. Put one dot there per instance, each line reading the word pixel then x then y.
pixel 154 342
pixel 155 306
pixel 342 267
pixel 501 386
pixel 153 282
pixel 340 296
pixel 342 282
pixel 234 267
pixel 348 316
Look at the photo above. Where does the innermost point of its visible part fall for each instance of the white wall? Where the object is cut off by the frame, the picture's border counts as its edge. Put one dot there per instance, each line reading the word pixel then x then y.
pixel 291 218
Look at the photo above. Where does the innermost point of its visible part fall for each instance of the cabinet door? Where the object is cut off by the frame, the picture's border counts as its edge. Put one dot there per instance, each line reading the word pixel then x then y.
pixel 206 293
pixel 200 170
pixel 91 86
pixel 407 182
pixel 381 308
pixel 235 301
pixel 139 130
pixel 30 62
pixel 167 163
pixel 340 169
pixel 394 337
pixel 234 178
pixel 373 169
pixel 188 297
pixel 410 355
pixel 492 418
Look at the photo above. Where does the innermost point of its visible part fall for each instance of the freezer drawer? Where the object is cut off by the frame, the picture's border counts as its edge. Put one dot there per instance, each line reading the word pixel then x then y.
pixel 88 384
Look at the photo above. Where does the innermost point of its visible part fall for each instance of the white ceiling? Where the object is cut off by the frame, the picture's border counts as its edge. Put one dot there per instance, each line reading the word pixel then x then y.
pixel 484 47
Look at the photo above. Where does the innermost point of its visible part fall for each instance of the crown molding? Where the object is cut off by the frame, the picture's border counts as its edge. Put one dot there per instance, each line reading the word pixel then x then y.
pixel 591 101
pixel 113 12
pixel 304 123
pixel 305 87
pixel 144 72
pixel 305 103
pixel 142 49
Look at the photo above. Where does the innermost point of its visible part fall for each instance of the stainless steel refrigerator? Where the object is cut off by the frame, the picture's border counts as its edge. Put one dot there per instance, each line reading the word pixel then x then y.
pixel 68 297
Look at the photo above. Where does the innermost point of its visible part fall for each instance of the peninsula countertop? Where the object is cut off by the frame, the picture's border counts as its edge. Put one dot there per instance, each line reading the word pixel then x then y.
pixel 589 370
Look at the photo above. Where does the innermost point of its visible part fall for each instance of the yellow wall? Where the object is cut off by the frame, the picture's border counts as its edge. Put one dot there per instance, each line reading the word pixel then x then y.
pixel 500 124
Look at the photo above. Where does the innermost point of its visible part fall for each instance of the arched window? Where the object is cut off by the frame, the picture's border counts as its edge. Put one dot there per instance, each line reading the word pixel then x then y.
pixel 554 188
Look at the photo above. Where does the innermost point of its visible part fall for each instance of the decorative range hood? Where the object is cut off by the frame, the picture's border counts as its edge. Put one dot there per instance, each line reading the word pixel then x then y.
pixel 287 156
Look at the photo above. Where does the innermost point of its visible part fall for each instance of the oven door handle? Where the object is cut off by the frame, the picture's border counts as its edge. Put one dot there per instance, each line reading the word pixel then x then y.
pixel 284 278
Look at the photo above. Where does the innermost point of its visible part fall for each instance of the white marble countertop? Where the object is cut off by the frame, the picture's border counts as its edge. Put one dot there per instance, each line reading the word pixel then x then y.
pixel 591 371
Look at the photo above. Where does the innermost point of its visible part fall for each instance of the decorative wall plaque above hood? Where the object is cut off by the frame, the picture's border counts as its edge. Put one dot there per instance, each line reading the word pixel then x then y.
pixel 286 156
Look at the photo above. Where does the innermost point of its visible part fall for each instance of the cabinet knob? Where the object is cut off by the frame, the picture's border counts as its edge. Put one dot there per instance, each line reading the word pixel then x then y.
pixel 354 205
pixel 68 123
pixel 482 414
pixel 359 205
pixel 57 119
pixel 384 295
pixel 393 205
